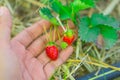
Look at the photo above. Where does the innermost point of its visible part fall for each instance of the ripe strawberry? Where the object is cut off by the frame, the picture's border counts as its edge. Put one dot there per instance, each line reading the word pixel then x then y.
pixel 52 51
pixel 69 36
pixel 68 40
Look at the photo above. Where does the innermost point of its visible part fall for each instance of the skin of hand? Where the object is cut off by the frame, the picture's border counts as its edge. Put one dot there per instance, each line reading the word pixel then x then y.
pixel 23 57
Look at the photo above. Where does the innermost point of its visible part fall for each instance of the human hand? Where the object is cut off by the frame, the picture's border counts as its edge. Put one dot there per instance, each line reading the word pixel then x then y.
pixel 24 57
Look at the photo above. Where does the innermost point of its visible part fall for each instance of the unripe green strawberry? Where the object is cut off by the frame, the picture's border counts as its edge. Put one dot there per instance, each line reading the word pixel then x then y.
pixel 63 45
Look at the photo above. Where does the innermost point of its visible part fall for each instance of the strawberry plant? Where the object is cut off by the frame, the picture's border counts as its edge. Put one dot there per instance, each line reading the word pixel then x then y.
pixel 65 12
pixel 96 35
pixel 89 28
pixel 96 28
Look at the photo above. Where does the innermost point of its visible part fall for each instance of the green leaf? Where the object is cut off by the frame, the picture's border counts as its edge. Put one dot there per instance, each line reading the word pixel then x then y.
pixel 109 34
pixel 118 29
pixel 89 2
pixel 63 11
pixel 46 14
pixel 55 5
pixel 85 32
pixel 78 5
pixel 98 19
pixel 90 28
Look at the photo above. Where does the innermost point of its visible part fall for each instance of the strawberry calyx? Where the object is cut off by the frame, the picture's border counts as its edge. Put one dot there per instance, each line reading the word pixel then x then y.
pixel 51 43
pixel 69 33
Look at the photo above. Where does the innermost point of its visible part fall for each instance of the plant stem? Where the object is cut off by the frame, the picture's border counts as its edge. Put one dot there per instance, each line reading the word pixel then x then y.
pixel 78 47
pixel 98 76
pixel 78 66
pixel 110 7
pixel 60 23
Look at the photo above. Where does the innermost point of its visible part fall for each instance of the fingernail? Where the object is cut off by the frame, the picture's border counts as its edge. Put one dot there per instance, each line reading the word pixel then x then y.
pixel 1 11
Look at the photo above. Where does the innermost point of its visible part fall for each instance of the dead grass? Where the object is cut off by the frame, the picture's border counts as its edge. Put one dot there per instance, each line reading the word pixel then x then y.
pixel 86 57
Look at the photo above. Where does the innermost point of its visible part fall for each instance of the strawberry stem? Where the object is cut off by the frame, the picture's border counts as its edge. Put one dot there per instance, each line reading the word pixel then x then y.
pixel 61 23
pixel 50 34
pixel 44 28
pixel 54 33
pixel 58 34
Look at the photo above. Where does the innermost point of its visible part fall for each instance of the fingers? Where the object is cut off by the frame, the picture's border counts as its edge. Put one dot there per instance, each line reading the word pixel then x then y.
pixel 5 24
pixel 35 48
pixel 43 58
pixel 31 33
pixel 64 55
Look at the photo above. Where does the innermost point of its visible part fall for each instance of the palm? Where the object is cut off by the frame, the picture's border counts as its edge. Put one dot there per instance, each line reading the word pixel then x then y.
pixel 36 65
pixel 28 48
pixel 31 68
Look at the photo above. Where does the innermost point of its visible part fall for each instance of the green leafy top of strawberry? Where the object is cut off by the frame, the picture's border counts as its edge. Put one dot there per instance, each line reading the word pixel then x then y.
pixel 69 33
pixel 51 43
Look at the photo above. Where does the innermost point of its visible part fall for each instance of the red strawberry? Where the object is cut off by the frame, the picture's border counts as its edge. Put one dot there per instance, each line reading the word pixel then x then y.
pixel 52 51
pixel 69 37
pixel 68 40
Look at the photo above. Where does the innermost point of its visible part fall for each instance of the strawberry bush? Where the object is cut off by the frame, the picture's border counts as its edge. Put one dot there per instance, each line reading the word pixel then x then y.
pixel 97 29
pixel 89 28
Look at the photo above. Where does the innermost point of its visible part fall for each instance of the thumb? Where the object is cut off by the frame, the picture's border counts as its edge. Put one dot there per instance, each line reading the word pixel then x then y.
pixel 5 24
